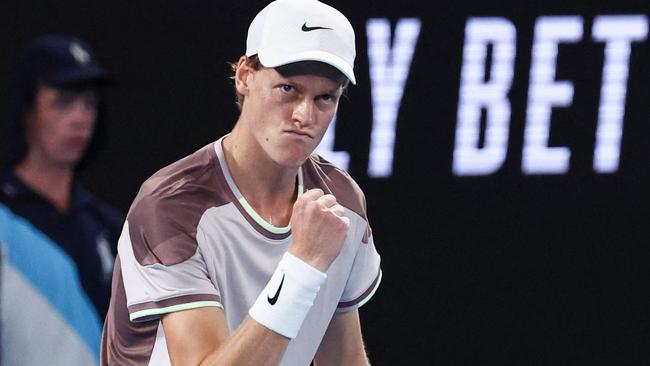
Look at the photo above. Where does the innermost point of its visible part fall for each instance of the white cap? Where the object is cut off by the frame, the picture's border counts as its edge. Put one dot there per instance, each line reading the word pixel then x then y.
pixel 287 31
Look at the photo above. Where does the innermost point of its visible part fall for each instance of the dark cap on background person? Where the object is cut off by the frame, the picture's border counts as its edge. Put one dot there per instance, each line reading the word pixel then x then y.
pixel 59 61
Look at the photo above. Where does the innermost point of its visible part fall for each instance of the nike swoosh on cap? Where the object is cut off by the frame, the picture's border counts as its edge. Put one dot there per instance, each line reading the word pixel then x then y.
pixel 305 28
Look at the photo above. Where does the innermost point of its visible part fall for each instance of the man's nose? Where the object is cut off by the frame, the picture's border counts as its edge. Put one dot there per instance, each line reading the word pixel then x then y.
pixel 304 112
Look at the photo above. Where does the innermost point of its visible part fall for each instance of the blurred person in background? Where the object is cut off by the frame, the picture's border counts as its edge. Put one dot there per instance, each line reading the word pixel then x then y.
pixel 58 240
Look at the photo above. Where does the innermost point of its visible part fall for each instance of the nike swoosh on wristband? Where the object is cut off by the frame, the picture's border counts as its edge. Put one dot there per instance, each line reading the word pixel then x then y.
pixel 274 299
pixel 305 28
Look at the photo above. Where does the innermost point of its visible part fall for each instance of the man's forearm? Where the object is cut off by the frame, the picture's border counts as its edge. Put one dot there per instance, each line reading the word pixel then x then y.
pixel 251 344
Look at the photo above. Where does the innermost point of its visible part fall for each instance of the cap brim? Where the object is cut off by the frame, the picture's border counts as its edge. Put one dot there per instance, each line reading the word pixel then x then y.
pixel 279 58
pixel 91 74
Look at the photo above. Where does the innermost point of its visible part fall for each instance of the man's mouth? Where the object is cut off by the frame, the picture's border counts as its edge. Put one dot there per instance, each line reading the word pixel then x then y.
pixel 299 133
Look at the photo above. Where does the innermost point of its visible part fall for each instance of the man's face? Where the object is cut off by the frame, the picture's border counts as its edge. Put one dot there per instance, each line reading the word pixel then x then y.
pixel 61 124
pixel 289 114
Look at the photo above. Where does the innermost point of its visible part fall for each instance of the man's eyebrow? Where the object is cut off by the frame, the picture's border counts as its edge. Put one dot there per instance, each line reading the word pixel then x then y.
pixel 336 90
pixel 299 85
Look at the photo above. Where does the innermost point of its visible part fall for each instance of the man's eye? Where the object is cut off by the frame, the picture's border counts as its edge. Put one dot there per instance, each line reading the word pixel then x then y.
pixel 328 98
pixel 63 102
pixel 286 88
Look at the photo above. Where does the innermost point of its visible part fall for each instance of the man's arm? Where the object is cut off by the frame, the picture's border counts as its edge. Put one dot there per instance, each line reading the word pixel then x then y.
pixel 342 343
pixel 200 337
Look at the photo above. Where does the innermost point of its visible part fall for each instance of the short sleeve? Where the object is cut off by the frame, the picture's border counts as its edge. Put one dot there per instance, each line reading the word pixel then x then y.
pixel 170 279
pixel 364 278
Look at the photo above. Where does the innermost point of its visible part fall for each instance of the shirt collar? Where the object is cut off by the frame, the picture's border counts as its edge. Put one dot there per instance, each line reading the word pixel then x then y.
pixel 13 187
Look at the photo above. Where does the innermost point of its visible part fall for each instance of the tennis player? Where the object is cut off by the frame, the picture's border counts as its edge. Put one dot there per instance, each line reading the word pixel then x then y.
pixel 252 250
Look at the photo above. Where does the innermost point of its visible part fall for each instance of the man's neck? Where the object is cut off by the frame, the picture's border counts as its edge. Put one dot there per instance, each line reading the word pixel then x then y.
pixel 52 182
pixel 270 188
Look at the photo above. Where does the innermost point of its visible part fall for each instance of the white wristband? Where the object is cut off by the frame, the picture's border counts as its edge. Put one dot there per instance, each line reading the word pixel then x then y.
pixel 285 301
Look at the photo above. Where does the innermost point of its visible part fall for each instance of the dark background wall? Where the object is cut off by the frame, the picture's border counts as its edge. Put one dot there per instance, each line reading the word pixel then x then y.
pixel 501 269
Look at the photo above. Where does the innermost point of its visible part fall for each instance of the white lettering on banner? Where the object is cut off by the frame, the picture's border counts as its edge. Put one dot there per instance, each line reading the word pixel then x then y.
pixel 617 32
pixel 478 93
pixel 482 93
pixel 326 148
pixel 389 69
pixel 486 79
pixel 544 93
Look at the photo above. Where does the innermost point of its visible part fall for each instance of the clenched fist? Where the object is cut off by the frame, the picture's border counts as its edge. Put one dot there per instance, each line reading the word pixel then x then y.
pixel 318 227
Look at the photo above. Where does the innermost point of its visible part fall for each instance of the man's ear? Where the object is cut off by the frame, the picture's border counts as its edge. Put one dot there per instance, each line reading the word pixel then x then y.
pixel 244 71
